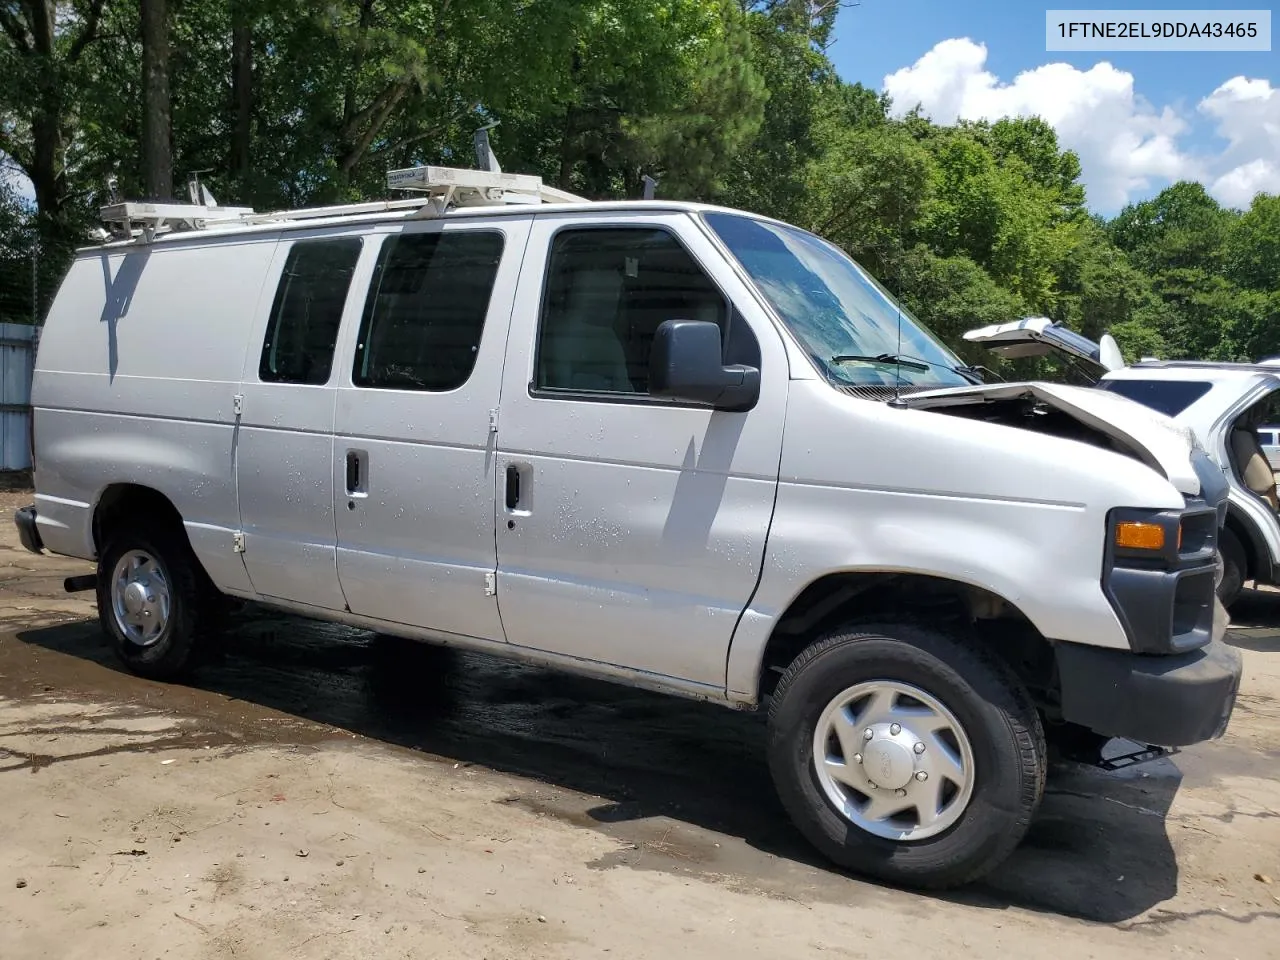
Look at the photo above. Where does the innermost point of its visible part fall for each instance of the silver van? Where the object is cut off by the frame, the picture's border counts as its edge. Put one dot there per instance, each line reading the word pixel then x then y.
pixel 673 445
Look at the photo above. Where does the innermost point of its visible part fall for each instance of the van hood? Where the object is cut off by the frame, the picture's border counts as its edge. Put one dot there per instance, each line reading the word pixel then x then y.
pixel 1158 441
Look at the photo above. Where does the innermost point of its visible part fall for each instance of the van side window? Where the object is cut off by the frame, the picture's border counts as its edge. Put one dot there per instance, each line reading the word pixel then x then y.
pixel 426 308
pixel 607 290
pixel 307 311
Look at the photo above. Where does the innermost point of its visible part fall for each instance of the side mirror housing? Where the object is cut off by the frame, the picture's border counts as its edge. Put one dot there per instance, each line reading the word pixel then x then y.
pixel 686 363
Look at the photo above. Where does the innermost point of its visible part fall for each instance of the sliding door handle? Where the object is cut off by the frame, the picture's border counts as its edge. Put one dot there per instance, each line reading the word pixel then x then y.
pixel 357 472
pixel 513 486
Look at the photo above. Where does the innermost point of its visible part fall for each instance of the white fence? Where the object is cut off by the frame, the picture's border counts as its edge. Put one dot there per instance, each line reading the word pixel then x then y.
pixel 17 360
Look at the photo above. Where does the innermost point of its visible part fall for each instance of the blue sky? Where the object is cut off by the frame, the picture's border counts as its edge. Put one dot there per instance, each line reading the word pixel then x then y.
pixel 1138 120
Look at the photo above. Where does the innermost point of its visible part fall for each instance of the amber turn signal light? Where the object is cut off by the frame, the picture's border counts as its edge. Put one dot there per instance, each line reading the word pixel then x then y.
pixel 1133 535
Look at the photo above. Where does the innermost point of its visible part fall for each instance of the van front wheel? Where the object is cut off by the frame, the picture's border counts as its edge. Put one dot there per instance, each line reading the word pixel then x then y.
pixel 907 755
pixel 153 601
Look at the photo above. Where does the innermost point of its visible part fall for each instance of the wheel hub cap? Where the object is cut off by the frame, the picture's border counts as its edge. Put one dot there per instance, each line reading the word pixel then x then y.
pixel 140 597
pixel 893 760
pixel 889 761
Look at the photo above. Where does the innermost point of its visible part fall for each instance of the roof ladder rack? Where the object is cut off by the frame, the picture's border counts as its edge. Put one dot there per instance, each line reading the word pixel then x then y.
pixel 152 218
pixel 444 187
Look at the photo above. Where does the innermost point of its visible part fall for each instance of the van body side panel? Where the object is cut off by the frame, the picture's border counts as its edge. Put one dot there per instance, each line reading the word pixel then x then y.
pixel 135 383
pixel 640 528
pixel 416 539
pixel 867 488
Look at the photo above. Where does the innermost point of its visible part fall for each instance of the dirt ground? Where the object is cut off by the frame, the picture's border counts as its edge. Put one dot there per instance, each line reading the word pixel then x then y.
pixel 318 794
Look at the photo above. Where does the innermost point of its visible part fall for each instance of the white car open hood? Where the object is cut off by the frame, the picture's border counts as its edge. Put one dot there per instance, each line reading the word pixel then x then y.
pixel 1039 336
pixel 1156 440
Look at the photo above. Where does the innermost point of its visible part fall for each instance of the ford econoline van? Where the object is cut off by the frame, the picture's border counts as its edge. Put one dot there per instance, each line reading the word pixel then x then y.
pixel 672 445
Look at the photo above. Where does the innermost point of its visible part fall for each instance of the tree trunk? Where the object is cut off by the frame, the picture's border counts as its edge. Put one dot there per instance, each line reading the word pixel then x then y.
pixel 48 146
pixel 32 26
pixel 157 124
pixel 564 176
pixel 349 151
pixel 241 91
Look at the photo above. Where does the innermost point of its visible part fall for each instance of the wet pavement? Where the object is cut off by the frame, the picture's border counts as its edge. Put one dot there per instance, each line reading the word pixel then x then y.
pixel 679 788
pixel 283 680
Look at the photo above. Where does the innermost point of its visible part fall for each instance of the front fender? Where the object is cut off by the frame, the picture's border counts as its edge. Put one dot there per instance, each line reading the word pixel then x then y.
pixel 1043 558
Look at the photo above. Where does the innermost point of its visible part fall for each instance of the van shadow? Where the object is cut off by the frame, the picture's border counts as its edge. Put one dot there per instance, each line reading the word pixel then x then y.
pixel 1255 621
pixel 1098 849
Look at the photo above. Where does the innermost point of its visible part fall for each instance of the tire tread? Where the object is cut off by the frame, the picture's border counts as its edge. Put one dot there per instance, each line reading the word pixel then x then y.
pixel 1019 713
pixel 196 615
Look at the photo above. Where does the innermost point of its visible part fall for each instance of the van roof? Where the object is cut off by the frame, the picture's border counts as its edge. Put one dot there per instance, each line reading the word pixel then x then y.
pixel 309 218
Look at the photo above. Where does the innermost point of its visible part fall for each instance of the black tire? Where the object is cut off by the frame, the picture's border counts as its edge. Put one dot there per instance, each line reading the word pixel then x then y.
pixel 986 699
pixel 1234 566
pixel 196 609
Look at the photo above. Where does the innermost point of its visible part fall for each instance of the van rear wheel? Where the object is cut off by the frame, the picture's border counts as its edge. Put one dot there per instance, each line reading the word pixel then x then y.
pixel 154 602
pixel 904 754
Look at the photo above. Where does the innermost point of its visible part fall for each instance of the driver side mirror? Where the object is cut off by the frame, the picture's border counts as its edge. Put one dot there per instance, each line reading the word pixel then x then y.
pixel 686 363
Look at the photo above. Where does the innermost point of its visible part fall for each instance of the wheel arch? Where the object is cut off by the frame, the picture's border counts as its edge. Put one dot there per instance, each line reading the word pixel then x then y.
pixel 120 501
pixel 842 598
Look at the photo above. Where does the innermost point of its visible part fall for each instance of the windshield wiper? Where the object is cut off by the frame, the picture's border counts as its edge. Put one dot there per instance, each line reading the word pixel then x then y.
pixel 888 359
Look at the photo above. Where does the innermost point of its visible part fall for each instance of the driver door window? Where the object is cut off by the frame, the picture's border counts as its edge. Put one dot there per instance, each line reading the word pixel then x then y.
pixel 607 290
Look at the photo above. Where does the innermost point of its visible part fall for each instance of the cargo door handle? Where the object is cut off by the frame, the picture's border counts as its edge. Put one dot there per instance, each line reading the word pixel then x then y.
pixel 357 473
pixel 513 486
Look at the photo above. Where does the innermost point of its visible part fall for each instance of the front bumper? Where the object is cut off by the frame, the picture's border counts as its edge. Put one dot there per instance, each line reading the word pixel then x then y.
pixel 24 518
pixel 1167 701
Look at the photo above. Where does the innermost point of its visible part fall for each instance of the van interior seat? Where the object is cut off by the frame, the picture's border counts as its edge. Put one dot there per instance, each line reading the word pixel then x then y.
pixel 581 349
pixel 1251 464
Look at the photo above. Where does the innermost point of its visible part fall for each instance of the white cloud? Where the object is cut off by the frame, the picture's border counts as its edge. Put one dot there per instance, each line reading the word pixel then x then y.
pixel 1248 118
pixel 1127 147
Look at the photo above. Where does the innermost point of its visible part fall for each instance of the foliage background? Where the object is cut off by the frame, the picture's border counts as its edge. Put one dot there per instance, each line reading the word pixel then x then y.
pixel 292 102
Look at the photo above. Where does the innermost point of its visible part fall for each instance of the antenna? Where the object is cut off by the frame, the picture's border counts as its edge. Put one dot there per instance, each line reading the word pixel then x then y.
pixel 897 402
pixel 485 160
pixel 199 194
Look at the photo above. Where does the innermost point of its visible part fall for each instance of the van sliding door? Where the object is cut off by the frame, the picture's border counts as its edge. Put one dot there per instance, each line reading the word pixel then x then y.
pixel 413 467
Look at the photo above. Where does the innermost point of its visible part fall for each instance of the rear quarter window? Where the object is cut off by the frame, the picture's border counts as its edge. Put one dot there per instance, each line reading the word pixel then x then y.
pixel 1169 397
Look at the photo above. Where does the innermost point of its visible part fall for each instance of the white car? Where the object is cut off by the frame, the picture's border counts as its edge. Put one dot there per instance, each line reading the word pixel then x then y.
pixel 672 445
pixel 1214 400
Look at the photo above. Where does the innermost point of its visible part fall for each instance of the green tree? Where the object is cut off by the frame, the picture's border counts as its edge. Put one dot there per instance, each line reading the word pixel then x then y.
pixel 665 88
pixel 1179 239
pixel 42 46
pixel 1253 245
pixel 770 173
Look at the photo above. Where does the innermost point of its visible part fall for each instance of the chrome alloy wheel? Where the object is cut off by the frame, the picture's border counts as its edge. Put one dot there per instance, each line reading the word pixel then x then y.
pixel 140 597
pixel 893 760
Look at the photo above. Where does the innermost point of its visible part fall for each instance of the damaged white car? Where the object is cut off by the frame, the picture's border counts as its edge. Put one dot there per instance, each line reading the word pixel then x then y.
pixel 1223 404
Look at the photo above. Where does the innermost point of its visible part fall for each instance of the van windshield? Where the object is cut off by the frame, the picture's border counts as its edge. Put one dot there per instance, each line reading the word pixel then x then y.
pixel 837 310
